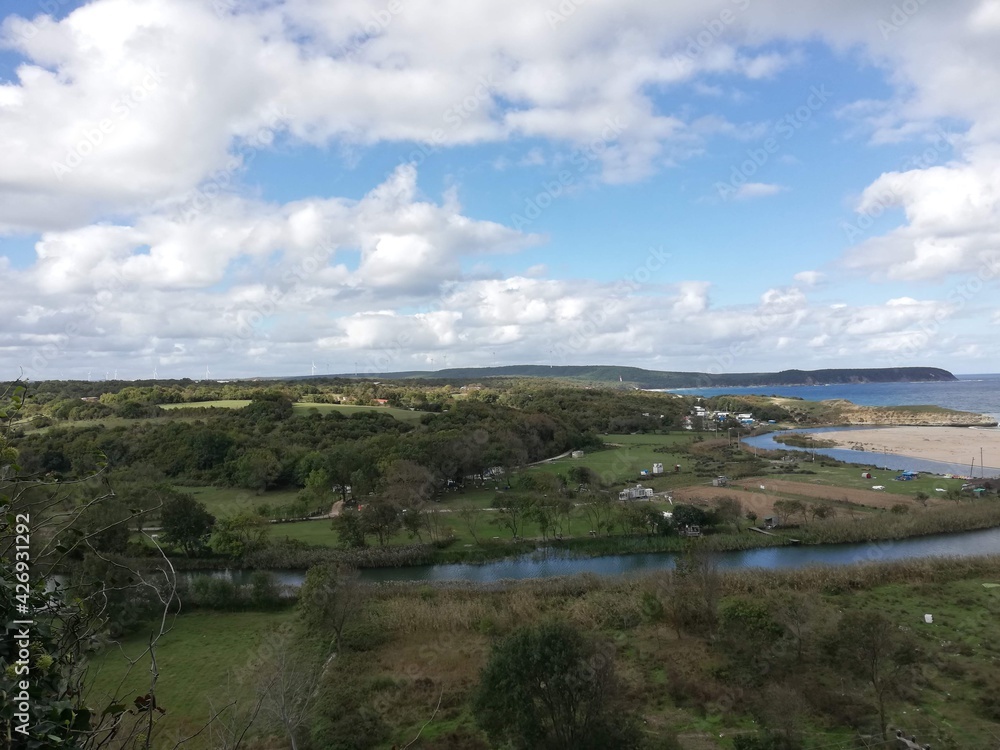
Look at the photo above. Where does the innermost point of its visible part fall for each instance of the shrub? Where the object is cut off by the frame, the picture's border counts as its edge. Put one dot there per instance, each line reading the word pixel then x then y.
pixel 264 591
pixel 549 686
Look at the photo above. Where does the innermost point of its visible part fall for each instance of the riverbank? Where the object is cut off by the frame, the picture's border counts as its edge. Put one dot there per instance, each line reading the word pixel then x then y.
pixel 842 540
pixel 946 444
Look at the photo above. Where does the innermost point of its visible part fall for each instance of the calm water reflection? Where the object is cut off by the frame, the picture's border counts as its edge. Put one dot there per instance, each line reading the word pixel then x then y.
pixel 545 565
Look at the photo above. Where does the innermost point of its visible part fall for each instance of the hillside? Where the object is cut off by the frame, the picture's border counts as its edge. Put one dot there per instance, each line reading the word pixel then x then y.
pixel 640 378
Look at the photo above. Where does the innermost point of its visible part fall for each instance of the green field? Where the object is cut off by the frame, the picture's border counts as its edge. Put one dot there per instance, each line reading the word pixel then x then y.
pixel 626 455
pixel 302 407
pixel 850 476
pixel 197 660
pixel 223 502
pixel 222 404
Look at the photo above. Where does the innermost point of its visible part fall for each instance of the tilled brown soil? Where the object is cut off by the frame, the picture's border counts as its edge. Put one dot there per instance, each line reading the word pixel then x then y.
pixel 761 502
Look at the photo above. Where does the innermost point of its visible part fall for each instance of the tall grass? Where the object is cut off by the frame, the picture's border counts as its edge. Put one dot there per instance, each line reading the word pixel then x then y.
pixel 598 602
pixel 885 526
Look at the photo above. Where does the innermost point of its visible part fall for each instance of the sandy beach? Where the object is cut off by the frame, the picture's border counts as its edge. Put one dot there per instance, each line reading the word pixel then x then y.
pixel 950 444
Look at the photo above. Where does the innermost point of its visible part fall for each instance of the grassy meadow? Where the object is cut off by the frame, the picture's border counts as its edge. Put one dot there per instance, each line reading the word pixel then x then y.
pixel 223 502
pixel 198 660
pixel 417 647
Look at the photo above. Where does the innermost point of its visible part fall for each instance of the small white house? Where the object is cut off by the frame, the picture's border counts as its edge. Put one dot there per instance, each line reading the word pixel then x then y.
pixel 635 493
pixel 576 454
pixel 657 469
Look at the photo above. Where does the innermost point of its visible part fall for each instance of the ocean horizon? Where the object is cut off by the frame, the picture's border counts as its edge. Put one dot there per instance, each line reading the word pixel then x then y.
pixel 977 392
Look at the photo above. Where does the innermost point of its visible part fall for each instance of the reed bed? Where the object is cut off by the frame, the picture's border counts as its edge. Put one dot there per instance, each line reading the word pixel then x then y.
pixel 616 603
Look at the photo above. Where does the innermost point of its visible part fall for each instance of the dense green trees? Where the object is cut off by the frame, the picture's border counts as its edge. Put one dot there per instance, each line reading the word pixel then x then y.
pixel 875 649
pixel 240 535
pixel 481 438
pixel 550 687
pixel 330 598
pixel 186 522
pixel 257 469
pixel 43 659
pixel 690 515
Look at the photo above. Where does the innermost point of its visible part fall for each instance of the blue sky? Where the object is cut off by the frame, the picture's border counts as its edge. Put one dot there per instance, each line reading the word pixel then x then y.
pixel 664 187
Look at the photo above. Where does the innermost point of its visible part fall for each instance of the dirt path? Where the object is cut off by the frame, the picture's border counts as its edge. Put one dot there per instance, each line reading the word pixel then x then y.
pixel 549 460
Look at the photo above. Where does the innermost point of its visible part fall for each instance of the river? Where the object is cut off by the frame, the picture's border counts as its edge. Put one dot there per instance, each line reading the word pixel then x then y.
pixel 549 564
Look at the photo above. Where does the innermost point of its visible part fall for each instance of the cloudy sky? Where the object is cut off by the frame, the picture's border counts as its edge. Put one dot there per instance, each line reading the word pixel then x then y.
pixel 268 186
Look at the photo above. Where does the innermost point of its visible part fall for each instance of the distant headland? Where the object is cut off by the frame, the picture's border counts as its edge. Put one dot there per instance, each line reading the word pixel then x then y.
pixel 649 379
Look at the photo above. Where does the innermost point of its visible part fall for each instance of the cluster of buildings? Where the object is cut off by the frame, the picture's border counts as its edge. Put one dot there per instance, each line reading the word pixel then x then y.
pixel 703 418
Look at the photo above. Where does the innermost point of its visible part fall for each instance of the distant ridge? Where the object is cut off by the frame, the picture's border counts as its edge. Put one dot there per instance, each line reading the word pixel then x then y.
pixel 640 378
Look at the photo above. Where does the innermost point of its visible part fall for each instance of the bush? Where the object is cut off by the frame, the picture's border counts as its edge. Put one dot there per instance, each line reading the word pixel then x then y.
pixel 264 591
pixel 549 686
pixel 344 718
pixel 215 593
pixel 209 592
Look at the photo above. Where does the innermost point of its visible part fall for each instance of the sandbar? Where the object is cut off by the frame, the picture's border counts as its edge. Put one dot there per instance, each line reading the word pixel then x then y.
pixel 955 445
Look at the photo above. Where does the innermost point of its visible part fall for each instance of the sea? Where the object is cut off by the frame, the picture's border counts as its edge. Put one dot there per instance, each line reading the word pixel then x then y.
pixel 976 393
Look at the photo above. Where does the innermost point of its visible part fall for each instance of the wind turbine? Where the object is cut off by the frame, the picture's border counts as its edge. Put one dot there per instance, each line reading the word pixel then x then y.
pixel 313 370
pixel 154 372
pixel 208 373
pixel 89 373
